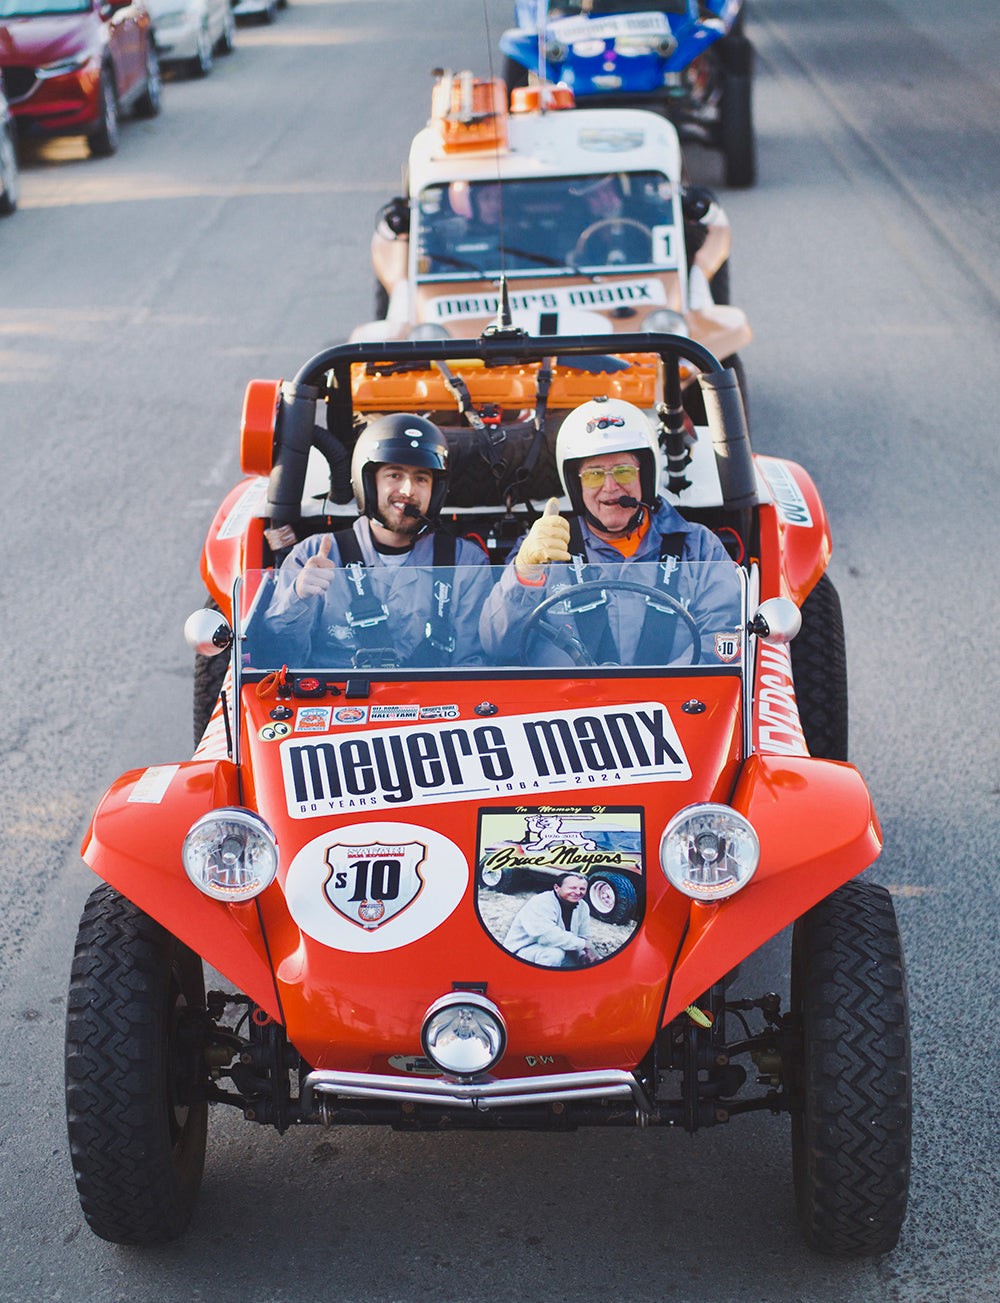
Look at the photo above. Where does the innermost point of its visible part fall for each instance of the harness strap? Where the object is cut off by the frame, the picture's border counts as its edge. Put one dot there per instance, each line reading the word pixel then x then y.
pixel 368 617
pixel 656 642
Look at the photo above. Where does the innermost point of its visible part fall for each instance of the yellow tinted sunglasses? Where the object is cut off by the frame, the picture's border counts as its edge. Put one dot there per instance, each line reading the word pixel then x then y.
pixel 593 477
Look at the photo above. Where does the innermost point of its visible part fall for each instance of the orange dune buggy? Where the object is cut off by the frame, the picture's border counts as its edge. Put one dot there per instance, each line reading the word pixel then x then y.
pixel 337 846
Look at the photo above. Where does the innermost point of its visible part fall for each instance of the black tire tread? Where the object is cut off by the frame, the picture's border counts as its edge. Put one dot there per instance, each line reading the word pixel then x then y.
pixel 851 1141
pixel 819 668
pixel 133 1188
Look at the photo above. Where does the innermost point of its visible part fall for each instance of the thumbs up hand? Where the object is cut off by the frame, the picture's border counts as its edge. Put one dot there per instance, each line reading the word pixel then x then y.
pixel 316 575
pixel 547 540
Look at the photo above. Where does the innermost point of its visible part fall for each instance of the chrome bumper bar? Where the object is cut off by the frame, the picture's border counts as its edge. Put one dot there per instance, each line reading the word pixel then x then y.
pixel 487 1093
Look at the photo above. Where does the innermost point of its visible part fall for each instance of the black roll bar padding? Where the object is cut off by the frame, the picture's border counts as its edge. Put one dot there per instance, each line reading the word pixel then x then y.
pixel 294 434
pixel 339 461
pixel 730 438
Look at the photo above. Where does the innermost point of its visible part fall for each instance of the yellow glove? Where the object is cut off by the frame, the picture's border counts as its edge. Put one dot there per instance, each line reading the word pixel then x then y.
pixel 547 540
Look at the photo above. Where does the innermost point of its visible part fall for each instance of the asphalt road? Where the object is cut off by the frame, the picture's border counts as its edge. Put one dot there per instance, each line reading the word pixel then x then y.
pixel 228 239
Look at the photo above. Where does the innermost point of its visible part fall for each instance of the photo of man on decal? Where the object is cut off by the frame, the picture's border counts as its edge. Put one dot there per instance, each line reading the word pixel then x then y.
pixel 561 886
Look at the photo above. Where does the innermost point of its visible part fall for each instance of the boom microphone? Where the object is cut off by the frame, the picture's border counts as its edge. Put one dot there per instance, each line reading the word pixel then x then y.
pixel 628 502
pixel 416 514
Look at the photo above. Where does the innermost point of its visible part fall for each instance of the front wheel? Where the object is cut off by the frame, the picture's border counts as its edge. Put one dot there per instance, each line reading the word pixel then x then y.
pixel 135 1079
pixel 103 140
pixel 851 1129
pixel 612 897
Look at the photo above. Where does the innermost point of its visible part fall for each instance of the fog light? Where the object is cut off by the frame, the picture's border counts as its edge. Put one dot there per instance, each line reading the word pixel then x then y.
pixel 709 851
pixel 230 854
pixel 464 1034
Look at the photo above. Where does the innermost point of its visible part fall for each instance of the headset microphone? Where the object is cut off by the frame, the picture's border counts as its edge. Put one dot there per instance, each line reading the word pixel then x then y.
pixel 415 513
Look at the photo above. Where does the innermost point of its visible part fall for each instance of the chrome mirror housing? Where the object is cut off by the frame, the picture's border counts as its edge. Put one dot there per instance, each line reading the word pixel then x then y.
pixel 776 621
pixel 207 632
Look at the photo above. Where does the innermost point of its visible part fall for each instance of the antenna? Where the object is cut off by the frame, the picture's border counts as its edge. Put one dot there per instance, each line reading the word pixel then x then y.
pixel 504 324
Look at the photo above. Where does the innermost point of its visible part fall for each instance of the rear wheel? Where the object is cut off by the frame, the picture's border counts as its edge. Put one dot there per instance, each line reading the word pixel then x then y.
pixel 103 140
pixel 135 1098
pixel 204 59
pixel 227 41
pixel 738 143
pixel 819 668
pixel 612 897
pixel 851 1133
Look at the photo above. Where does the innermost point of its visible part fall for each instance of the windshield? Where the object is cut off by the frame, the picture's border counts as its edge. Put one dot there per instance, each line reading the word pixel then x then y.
pixel 403 617
pixel 34 8
pixel 559 225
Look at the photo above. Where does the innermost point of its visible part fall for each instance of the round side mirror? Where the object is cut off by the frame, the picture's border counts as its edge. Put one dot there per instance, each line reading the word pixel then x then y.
pixel 777 621
pixel 207 632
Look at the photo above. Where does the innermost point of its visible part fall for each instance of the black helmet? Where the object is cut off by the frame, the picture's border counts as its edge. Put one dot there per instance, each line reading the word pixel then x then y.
pixel 404 440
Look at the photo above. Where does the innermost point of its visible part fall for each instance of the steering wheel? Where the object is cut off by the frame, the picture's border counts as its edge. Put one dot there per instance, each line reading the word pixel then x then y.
pixel 595 228
pixel 573 647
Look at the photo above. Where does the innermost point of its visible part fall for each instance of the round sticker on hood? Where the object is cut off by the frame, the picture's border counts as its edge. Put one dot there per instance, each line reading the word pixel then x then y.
pixel 370 887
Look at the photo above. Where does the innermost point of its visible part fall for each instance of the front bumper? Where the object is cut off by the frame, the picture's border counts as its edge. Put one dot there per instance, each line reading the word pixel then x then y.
pixel 324 1090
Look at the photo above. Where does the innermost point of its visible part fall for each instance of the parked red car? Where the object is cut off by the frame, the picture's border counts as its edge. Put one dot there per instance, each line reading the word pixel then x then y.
pixel 71 67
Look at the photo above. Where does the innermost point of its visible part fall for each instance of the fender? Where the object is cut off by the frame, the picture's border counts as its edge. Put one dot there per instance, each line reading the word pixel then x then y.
pixel 135 846
pixel 825 799
pixel 795 533
pixel 235 540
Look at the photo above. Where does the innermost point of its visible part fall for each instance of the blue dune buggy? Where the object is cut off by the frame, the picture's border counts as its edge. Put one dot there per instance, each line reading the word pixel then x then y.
pixel 689 59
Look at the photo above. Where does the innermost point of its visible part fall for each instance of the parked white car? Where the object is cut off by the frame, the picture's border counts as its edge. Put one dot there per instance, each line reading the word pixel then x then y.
pixel 189 33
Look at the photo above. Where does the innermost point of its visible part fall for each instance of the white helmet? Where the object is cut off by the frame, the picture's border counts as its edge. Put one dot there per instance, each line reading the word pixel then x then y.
pixel 608 425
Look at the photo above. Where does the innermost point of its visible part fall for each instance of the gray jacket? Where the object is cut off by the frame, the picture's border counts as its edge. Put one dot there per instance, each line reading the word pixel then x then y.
pixel 710 594
pixel 308 626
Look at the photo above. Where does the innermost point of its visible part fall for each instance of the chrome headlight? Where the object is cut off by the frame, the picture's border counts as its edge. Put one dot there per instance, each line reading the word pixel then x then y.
pixel 464 1034
pixel 555 53
pixel 709 851
pixel 664 321
pixel 428 330
pixel 230 854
